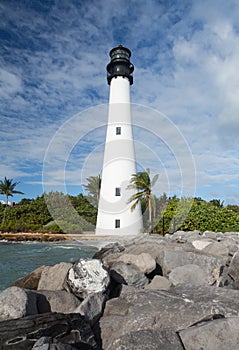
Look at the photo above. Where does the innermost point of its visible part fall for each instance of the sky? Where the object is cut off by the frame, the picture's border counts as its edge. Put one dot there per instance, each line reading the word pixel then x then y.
pixel 185 105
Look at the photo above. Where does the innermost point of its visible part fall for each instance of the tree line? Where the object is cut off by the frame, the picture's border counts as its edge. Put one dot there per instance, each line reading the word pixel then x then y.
pixel 161 214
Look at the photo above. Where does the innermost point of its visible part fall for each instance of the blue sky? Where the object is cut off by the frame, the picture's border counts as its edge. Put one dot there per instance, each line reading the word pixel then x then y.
pixel 54 93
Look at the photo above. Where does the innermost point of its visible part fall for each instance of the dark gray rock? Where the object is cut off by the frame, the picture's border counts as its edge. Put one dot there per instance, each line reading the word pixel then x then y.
pixel 128 274
pixel 70 329
pixel 189 274
pixel 87 276
pixel 58 300
pixel 178 308
pixel 219 334
pixel 92 307
pixel 54 277
pixel 110 249
pixel 47 343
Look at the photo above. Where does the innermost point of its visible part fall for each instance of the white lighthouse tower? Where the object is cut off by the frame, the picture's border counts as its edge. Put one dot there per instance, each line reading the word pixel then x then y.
pixel 115 216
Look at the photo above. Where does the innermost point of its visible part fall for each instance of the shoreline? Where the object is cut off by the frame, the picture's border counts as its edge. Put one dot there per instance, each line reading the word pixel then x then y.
pixel 86 238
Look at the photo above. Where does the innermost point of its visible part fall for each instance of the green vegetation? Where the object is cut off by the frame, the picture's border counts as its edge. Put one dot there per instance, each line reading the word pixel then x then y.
pixel 57 213
pixel 195 214
pixel 93 189
pixel 142 182
pixel 71 214
pixel 7 188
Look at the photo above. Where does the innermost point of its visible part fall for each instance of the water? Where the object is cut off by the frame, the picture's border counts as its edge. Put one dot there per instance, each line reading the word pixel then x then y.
pixel 18 259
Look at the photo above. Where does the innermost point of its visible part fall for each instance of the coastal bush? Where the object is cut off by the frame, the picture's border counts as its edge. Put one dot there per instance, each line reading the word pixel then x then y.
pixel 32 215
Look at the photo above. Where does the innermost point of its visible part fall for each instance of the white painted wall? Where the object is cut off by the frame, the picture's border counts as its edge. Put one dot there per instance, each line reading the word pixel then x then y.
pixel 118 167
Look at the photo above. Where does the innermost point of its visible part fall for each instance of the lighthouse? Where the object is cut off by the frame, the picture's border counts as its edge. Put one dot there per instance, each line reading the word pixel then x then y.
pixel 115 216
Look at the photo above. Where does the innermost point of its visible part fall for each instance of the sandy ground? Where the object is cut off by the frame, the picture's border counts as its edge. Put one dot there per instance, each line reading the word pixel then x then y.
pixel 88 238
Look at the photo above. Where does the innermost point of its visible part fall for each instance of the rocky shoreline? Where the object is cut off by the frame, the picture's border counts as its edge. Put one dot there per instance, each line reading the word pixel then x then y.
pixel 29 236
pixel 175 292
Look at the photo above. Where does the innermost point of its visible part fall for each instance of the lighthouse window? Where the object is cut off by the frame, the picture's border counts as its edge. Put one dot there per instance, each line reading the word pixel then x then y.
pixel 117 191
pixel 117 223
pixel 118 130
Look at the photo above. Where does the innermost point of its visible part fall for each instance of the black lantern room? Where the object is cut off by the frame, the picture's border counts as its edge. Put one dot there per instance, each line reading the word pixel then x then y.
pixel 120 64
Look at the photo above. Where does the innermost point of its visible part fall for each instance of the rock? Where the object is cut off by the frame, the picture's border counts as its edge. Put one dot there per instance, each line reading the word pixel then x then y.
pixel 144 261
pixel 188 274
pixel 177 309
pixel 117 307
pixel 219 334
pixel 231 244
pixel 31 280
pixel 110 249
pixel 170 259
pixel 87 276
pixel 53 277
pixel 147 244
pixel 233 270
pixel 42 343
pixel 187 236
pixel 200 244
pixel 60 329
pixel 159 283
pixel 59 301
pixel 213 235
pixel 47 343
pixel 216 249
pixel 149 339
pixel 16 302
pixel 92 307
pixel 128 274
pixel 223 279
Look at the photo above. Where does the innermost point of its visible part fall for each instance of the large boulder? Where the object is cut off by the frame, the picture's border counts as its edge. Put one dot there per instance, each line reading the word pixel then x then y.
pixel 233 270
pixel 92 307
pixel 177 309
pixel 216 249
pixel 53 277
pixel 159 283
pixel 189 274
pixel 109 249
pixel 16 302
pixel 55 328
pixel 31 280
pixel 87 276
pixel 218 334
pixel 144 261
pixel 128 274
pixel 150 339
pixel 170 259
pixel 59 301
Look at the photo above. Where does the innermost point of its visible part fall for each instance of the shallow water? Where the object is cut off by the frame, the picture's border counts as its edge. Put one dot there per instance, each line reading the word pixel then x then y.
pixel 18 259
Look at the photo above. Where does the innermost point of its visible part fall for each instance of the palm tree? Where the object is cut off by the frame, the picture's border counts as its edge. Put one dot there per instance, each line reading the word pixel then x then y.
pixel 141 181
pixel 93 187
pixel 7 188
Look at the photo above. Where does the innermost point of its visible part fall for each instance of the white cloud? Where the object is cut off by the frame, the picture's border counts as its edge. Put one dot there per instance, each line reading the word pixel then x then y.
pixel 53 66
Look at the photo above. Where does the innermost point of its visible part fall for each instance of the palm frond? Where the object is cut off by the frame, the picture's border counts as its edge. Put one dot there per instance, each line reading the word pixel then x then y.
pixel 155 179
